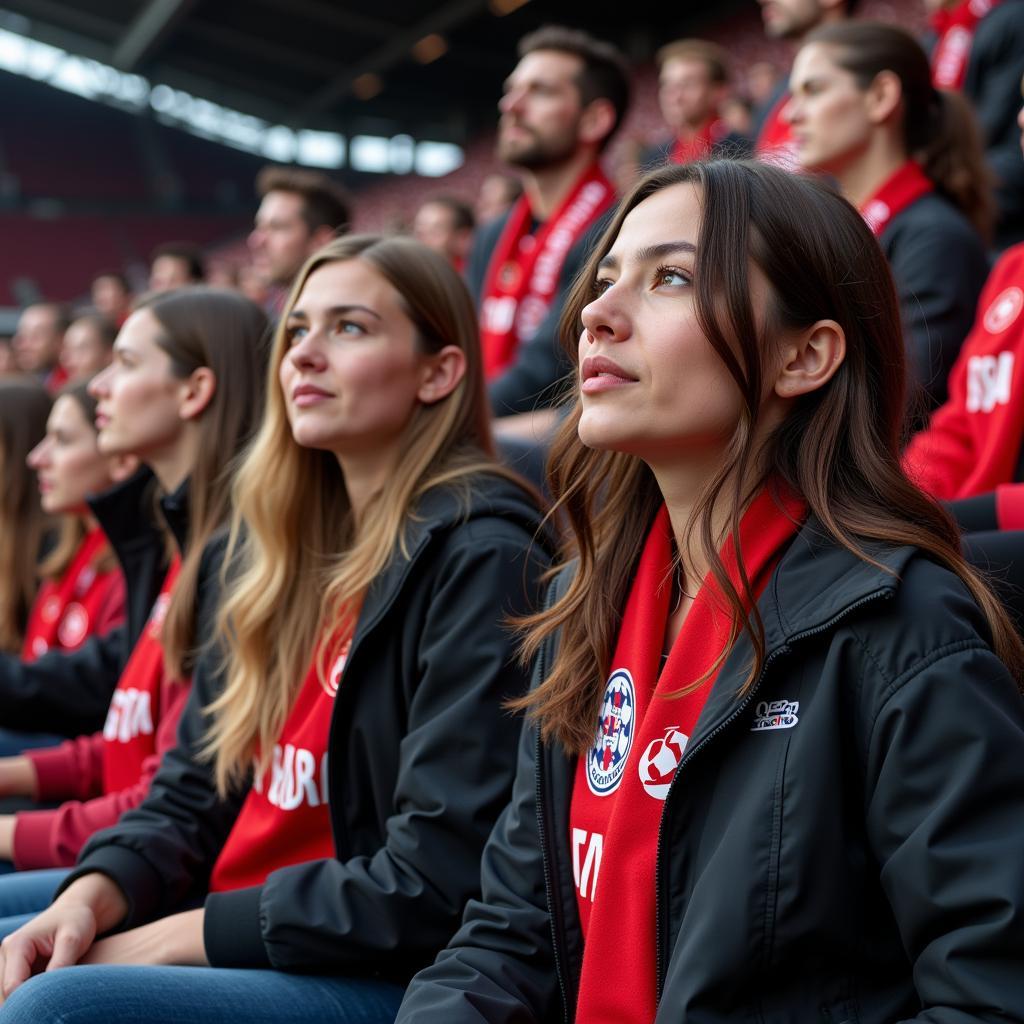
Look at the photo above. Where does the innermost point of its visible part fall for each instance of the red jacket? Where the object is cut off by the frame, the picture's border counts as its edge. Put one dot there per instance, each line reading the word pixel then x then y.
pixel 973 443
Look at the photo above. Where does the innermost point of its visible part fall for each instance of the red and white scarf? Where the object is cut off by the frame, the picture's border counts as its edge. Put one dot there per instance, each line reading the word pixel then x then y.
pixel 642 731
pixel 906 186
pixel 955 27
pixel 524 271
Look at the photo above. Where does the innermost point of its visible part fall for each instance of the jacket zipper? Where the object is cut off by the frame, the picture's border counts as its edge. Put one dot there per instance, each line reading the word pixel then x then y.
pixel 784 648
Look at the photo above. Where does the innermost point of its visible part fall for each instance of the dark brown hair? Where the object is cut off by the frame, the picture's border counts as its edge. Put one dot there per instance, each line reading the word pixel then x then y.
pixel 605 74
pixel 325 203
pixel 224 331
pixel 188 252
pixel 839 447
pixel 24 406
pixel 939 128
pixel 72 529
pixel 711 55
pixel 462 213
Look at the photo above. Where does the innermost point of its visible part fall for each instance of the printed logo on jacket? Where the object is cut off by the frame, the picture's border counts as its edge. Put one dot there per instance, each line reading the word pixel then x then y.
pixel 606 760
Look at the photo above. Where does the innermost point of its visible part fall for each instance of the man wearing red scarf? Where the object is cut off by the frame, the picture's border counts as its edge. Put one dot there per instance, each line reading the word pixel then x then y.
pixel 561 105
pixel 790 20
pixel 693 80
pixel 979 49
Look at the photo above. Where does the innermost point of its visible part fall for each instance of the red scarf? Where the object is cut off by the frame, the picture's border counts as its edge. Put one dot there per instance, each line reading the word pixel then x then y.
pixel 955 28
pixel 775 143
pixel 906 186
pixel 286 818
pixel 522 277
pixel 67 610
pixel 616 807
pixel 700 144
pixel 129 733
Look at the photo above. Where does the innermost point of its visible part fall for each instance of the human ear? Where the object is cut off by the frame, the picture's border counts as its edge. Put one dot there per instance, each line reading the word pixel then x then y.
pixel 811 359
pixel 442 372
pixel 884 96
pixel 196 393
pixel 596 121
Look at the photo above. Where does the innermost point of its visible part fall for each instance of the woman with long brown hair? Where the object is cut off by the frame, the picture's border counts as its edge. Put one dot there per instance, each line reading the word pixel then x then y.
pixel 346 747
pixel 83 589
pixel 909 156
pixel 774 762
pixel 183 396
pixel 24 406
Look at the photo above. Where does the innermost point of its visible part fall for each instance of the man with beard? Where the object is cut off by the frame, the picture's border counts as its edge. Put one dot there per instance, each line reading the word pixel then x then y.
pixel 561 106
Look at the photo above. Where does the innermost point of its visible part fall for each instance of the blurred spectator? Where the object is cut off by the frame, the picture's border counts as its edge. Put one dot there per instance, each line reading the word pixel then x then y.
pixel 978 47
pixel 7 363
pixel 24 406
pixel 497 194
pixel 175 265
pixel 863 110
pixel 37 343
pixel 252 285
pixel 626 163
pixel 87 347
pixel 562 104
pixel 791 20
pixel 737 116
pixel 693 82
pixel 111 296
pixel 445 224
pixel 299 212
pixel 221 273
pixel 762 82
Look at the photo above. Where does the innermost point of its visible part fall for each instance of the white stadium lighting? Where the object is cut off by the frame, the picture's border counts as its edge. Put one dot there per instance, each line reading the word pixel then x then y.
pixel 92 80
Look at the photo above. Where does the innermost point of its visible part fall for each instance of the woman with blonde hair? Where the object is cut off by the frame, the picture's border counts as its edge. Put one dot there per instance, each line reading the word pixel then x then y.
pixel 346 747
pixel 24 407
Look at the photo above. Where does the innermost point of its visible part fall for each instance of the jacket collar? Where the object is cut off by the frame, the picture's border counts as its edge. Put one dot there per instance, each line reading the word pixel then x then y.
pixel 126 512
pixel 816 584
pixel 437 511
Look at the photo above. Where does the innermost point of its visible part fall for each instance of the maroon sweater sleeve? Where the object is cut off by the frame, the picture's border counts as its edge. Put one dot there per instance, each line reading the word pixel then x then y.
pixel 71 770
pixel 50 839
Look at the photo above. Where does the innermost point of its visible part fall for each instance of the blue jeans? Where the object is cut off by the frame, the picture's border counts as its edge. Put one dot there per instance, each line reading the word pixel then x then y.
pixel 13 742
pixel 23 894
pixel 198 995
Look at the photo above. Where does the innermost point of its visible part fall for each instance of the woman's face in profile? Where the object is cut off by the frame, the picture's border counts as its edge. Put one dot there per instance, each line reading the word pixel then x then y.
pixel 827 111
pixel 352 369
pixel 650 382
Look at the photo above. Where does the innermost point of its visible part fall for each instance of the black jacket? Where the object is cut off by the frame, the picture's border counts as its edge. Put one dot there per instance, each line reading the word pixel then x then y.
pixel 422 756
pixel 68 692
pixel 939 265
pixel 992 84
pixel 533 380
pixel 861 865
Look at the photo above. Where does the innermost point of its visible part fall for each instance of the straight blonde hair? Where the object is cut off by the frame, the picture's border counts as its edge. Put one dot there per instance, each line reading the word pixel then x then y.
pixel 299 563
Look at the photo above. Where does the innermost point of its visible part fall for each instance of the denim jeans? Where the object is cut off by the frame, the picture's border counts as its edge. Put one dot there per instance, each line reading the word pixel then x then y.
pixel 13 742
pixel 198 995
pixel 23 894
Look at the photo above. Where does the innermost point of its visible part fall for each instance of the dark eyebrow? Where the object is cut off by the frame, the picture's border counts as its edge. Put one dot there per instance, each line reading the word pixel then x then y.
pixel 354 307
pixel 649 253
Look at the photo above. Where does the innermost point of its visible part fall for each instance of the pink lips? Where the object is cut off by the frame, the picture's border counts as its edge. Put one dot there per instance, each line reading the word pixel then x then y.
pixel 599 374
pixel 306 395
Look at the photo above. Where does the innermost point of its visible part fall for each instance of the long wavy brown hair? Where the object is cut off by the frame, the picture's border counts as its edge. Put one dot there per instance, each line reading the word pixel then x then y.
pixel 228 333
pixel 838 448
pixel 24 406
pixel 299 561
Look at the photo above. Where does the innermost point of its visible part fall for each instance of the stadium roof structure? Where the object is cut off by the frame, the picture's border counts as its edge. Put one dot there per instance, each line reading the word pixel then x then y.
pixel 429 69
